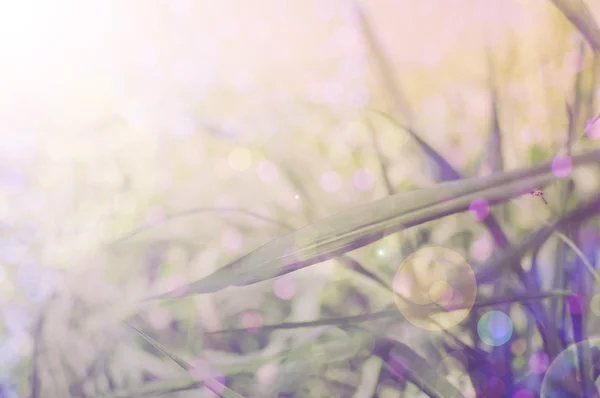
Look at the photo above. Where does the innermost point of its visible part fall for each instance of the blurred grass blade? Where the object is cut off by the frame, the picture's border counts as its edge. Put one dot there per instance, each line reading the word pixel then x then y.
pixel 579 15
pixel 394 313
pixel 179 361
pixel 308 349
pixel 402 361
pixel 362 225
pixel 337 321
pixel 510 258
pixel 450 174
pixel 224 392
pixel 445 171
pixel 200 210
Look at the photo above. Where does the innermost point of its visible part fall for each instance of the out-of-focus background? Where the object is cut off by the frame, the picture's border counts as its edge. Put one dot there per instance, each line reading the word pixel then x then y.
pixel 145 144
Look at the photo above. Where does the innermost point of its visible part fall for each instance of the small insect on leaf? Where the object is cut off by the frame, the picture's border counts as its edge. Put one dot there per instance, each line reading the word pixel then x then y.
pixel 538 192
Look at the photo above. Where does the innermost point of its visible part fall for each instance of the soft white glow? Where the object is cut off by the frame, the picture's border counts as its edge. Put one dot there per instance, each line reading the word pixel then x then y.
pixel 45 40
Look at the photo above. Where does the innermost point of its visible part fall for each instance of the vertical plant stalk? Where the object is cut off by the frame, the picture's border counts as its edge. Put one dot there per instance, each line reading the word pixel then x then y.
pixel 37 344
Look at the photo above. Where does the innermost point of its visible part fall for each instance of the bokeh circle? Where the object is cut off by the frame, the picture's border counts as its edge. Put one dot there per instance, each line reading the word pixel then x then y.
pixel 494 328
pixel 435 288
pixel 563 377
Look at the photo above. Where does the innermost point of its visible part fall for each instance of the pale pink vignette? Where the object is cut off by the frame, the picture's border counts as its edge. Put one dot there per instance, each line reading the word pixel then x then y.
pixel 481 249
pixel 561 166
pixel 363 180
pixel 159 318
pixel 479 209
pixel 331 181
pixel 251 320
pixel 155 215
pixel 231 239
pixel 592 128
pixel 267 172
pixel 177 285
pixel 284 288
pixel 539 362
pixel 267 374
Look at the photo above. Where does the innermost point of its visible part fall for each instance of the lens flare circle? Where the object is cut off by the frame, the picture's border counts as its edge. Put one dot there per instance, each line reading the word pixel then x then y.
pixel 435 288
pixel 563 377
pixel 494 328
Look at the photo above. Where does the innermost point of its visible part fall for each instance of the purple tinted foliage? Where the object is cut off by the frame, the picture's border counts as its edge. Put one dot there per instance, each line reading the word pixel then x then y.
pixel 588 239
pixel 398 364
pixel 577 304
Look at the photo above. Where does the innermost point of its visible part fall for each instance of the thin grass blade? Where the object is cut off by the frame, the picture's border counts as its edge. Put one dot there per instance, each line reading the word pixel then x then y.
pixel 402 361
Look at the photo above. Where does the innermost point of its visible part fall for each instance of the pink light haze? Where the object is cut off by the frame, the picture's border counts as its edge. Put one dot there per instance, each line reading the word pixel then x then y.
pixel 592 128
pixel 159 318
pixel 199 369
pixel 177 285
pixel 523 394
pixel 573 62
pixel 539 362
pixel 284 288
pixel 252 320
pixel 331 181
pixel 561 166
pixel 215 383
pixel 155 215
pixel 267 172
pixel 231 239
pixel 479 209
pixel 363 180
pixel 482 249
pixel 457 301
pixel 267 374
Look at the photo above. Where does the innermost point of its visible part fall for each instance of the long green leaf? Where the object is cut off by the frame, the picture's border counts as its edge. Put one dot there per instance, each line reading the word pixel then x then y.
pixel 355 228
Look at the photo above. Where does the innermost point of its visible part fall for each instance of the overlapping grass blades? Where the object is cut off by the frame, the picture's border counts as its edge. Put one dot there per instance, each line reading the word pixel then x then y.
pixel 579 15
pixel 362 225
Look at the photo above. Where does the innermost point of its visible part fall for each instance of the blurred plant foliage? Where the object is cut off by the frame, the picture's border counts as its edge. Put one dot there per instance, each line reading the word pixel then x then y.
pixel 214 198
